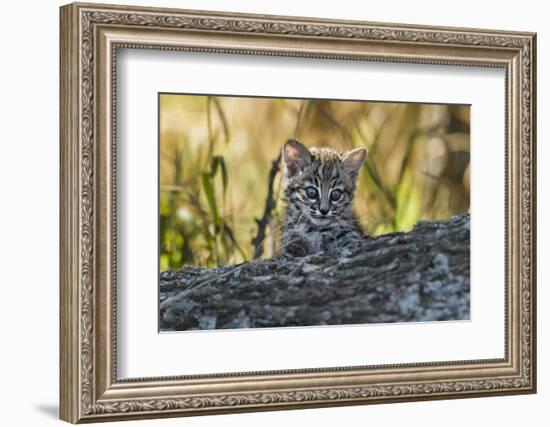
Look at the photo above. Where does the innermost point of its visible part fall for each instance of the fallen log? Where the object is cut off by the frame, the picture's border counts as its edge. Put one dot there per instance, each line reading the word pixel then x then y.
pixel 422 275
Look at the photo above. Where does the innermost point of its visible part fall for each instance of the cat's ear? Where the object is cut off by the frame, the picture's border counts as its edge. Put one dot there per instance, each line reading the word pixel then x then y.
pixel 296 157
pixel 353 160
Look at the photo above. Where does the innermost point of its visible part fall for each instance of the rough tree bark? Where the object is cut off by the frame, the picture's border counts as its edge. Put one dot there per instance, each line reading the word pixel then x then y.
pixel 422 275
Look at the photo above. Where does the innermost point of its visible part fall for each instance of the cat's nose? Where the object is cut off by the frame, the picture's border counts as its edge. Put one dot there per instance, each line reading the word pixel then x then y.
pixel 323 211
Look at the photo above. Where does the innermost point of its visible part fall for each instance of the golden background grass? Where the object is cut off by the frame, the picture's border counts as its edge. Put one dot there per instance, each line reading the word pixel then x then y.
pixel 216 153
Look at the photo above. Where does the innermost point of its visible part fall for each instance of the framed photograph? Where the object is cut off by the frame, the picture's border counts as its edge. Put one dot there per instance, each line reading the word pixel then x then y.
pixel 266 212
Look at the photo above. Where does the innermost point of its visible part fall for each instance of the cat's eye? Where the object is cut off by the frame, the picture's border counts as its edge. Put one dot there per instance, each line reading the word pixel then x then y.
pixel 311 192
pixel 335 195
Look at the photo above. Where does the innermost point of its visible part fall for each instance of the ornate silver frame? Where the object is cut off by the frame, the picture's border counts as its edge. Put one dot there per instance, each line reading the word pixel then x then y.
pixel 90 36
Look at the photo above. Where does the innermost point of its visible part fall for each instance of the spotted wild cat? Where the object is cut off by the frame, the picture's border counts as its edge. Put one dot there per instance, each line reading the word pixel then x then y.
pixel 319 187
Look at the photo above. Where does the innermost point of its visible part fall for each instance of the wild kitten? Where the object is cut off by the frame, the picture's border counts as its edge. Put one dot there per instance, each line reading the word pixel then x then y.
pixel 318 188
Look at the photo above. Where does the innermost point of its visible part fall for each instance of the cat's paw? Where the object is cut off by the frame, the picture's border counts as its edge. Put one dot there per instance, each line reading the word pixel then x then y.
pixel 296 249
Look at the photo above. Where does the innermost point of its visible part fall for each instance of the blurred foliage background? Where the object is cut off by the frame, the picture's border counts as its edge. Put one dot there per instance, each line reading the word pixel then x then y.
pixel 216 154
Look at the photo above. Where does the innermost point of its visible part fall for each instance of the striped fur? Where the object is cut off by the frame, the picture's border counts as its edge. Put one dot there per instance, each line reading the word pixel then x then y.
pixel 318 190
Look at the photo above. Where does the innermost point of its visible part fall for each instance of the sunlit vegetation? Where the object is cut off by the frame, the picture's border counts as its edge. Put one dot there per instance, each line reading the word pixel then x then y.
pixel 216 154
